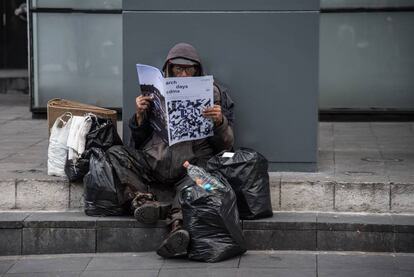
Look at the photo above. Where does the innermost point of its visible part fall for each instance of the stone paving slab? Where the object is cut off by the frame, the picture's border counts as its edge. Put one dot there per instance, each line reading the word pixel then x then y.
pixel 59 220
pixel 284 220
pixel 357 273
pixel 124 273
pixel 357 241
pixel 184 263
pixel 12 220
pixel 129 239
pixel 11 241
pixel 403 223
pixel 132 262
pixel 5 265
pixel 346 261
pixel 74 232
pixel 278 260
pixel 362 167
pixel 52 264
pixel 356 222
pixel 252 263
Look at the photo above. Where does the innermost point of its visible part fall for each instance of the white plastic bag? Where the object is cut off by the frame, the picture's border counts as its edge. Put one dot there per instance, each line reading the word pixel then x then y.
pixel 79 128
pixel 57 151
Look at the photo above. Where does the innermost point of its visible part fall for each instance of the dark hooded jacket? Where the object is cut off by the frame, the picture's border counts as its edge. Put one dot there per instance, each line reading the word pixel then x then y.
pixel 166 161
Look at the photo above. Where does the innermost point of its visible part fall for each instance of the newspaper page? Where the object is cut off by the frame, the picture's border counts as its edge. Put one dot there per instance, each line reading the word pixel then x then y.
pixel 177 105
pixel 152 84
pixel 186 98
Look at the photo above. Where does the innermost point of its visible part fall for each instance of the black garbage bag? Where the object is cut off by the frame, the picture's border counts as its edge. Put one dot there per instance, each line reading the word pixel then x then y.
pixel 100 186
pixel 213 222
pixel 132 171
pixel 102 134
pixel 75 171
pixel 247 173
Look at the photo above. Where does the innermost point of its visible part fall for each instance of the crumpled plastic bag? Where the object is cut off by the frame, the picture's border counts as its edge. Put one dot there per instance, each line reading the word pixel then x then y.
pixel 57 150
pixel 77 135
pixel 76 170
pixel 100 187
pixel 213 222
pixel 101 134
pixel 247 173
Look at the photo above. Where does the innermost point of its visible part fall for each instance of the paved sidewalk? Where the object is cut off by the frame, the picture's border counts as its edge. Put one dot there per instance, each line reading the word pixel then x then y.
pixel 253 263
pixel 350 151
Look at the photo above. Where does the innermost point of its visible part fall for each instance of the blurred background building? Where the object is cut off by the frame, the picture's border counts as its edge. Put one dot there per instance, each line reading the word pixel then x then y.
pixel 366 58
pixel 13 47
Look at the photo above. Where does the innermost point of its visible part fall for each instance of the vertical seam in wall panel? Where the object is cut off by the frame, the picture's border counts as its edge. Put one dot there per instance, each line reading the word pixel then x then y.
pixel 389 200
pixel 394 234
pixel 316 233
pixel 96 238
pixel 316 265
pixel 334 195
pixel 70 195
pixel 21 240
pixel 280 193
pixel 15 194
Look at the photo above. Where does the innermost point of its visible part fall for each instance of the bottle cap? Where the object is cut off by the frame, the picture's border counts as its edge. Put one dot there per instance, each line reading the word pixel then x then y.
pixel 207 187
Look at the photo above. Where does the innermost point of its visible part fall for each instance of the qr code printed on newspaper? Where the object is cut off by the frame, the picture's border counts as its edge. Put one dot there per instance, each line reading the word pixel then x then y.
pixel 187 121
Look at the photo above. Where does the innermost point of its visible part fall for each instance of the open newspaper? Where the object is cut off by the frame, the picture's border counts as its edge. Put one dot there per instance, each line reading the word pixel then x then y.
pixel 177 104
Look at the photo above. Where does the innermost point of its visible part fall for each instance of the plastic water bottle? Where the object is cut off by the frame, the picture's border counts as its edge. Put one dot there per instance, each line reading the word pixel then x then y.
pixel 202 178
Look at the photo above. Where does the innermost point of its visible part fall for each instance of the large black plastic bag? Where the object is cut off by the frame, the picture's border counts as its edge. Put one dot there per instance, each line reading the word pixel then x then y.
pixel 102 134
pixel 100 185
pixel 213 222
pixel 75 171
pixel 247 173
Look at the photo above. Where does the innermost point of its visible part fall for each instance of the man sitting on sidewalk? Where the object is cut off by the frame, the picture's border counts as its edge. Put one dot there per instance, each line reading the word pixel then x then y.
pixel 161 165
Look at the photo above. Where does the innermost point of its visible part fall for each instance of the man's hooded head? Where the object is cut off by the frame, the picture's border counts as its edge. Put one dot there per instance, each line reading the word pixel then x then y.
pixel 185 55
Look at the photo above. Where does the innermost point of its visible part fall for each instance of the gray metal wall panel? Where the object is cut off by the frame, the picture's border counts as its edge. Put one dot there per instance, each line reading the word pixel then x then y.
pixel 231 5
pixel 77 56
pixel 76 4
pixel 366 3
pixel 367 60
pixel 268 60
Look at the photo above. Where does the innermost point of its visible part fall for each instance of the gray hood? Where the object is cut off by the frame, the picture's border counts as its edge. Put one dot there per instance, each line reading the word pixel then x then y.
pixel 184 51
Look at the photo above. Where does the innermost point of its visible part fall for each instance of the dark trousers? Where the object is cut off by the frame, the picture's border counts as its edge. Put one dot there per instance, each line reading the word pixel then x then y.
pixel 135 175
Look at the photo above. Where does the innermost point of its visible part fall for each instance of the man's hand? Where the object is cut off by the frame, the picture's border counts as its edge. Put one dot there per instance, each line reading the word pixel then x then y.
pixel 215 114
pixel 142 104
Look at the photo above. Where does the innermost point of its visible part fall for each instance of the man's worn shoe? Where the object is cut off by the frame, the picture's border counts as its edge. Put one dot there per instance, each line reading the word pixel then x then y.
pixel 151 212
pixel 175 244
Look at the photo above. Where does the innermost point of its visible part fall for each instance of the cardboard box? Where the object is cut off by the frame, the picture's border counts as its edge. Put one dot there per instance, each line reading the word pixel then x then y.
pixel 56 107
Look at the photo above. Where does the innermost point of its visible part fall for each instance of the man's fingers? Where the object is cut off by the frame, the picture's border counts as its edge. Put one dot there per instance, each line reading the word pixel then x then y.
pixel 143 106
pixel 214 108
pixel 142 97
pixel 216 117
pixel 214 113
pixel 143 103
pixel 211 114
